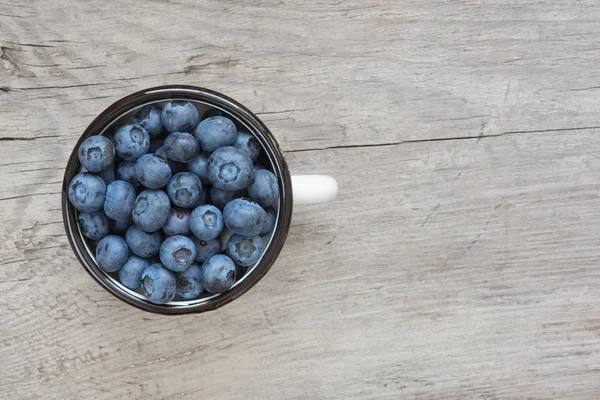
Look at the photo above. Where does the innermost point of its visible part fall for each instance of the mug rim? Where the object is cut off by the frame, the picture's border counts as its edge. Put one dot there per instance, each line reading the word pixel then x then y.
pixel 255 127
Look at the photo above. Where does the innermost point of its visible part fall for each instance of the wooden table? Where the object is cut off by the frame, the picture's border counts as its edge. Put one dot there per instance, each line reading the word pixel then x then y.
pixel 460 259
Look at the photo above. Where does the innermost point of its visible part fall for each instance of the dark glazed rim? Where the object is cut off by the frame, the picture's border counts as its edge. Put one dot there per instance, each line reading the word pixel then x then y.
pixel 253 124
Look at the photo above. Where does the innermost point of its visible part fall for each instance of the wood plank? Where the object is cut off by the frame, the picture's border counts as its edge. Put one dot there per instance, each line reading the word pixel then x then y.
pixel 321 75
pixel 459 261
pixel 448 270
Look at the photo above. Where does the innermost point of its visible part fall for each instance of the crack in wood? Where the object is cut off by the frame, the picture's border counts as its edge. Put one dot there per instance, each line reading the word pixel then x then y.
pixel 29 195
pixel 446 139
pixel 26 139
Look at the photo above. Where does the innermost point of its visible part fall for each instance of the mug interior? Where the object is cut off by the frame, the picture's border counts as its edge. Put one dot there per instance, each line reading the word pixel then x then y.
pixel 117 115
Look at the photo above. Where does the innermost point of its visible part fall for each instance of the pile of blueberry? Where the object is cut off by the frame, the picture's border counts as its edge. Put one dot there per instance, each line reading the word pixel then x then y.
pixel 176 206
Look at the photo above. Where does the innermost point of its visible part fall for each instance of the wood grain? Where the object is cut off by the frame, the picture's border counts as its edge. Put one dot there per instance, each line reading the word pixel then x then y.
pixel 459 261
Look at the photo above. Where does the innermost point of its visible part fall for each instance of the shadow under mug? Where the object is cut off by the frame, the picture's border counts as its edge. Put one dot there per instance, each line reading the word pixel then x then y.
pixel 304 189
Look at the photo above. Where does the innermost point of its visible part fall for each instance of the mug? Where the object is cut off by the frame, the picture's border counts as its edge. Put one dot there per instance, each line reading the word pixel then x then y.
pixel 294 190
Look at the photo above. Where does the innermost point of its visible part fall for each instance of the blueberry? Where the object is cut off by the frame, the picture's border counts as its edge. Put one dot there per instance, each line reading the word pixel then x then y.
pixel 245 217
pixel 179 116
pixel 181 147
pixel 141 243
pixel 149 117
pixel 217 274
pixel 151 210
pixel 94 225
pixel 108 174
pixel 199 167
pixel 215 132
pixel 158 284
pixel 206 222
pixel 188 282
pixel 131 141
pixel 86 192
pixel 205 249
pixel 178 222
pixel 111 253
pixel 185 190
pixel 271 220
pixel 264 188
pixel 245 250
pixel 131 272
pixel 220 198
pixel 177 253
pixel 162 153
pixel 96 153
pixel 213 112
pixel 120 226
pixel 230 169
pixel 119 200
pixel 126 172
pixel 152 171
pixel 247 143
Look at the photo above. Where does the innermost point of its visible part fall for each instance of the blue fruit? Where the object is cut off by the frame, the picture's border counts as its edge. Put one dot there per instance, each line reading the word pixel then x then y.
pixel 271 220
pixel 131 272
pixel 131 141
pixel 108 174
pixel 149 117
pixel 217 274
pixel 230 169
pixel 178 222
pixel 199 167
pixel 179 116
pixel 141 243
pixel 220 198
pixel 94 225
pixel 152 171
pixel 177 253
pixel 264 188
pixel 188 282
pixel 96 153
pixel 119 200
pixel 151 210
pixel 158 284
pixel 162 153
pixel 181 147
pixel 185 190
pixel 126 172
pixel 215 132
pixel 205 249
pixel 245 217
pixel 245 250
pixel 206 222
pixel 86 192
pixel 111 253
pixel 120 226
pixel 247 143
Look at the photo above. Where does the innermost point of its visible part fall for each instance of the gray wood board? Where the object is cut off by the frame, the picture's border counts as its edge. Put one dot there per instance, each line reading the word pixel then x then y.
pixel 459 260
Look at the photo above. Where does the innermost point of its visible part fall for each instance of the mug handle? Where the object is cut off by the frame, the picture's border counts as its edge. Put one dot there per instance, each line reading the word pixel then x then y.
pixel 311 189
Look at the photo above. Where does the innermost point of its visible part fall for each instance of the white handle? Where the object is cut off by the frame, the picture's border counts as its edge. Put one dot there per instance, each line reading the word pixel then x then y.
pixel 310 189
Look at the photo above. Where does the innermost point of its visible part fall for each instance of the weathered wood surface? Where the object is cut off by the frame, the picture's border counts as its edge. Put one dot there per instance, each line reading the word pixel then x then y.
pixel 459 261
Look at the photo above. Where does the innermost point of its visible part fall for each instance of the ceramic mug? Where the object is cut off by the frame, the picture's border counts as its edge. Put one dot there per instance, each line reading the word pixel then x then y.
pixel 294 190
